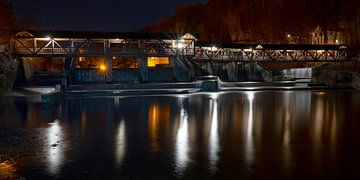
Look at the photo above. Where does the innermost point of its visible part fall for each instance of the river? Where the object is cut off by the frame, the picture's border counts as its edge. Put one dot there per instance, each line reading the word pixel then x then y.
pixel 272 134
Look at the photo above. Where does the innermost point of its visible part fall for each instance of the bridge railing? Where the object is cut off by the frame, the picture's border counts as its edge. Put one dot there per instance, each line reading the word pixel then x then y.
pixel 29 51
pixel 55 50
pixel 338 53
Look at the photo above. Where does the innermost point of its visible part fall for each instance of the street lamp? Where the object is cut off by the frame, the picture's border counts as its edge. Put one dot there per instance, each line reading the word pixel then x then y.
pixel 102 68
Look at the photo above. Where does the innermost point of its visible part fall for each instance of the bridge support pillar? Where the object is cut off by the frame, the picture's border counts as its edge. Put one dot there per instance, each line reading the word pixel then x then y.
pixel 209 68
pixel 183 71
pixel 232 72
pixel 144 71
pixel 251 71
pixel 108 75
pixel 68 69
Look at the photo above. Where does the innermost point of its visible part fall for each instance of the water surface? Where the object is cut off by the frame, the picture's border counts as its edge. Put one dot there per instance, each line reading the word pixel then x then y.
pixel 282 134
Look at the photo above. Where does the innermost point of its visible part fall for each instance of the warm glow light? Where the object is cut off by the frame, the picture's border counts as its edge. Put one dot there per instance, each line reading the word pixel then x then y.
pixel 337 41
pixel 153 61
pixel 48 38
pixel 248 50
pixel 102 67
pixel 259 47
pixel 7 170
pixel 288 35
pixel 158 116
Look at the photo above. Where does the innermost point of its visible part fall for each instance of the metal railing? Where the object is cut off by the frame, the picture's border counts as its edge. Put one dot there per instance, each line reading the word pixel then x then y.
pixel 236 54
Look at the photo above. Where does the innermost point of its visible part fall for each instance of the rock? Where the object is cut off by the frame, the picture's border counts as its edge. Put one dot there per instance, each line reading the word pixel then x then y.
pixel 332 77
pixel 356 81
pixel 54 145
pixel 15 142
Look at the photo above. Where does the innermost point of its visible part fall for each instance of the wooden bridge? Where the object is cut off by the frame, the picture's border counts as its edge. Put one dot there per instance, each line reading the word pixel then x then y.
pixel 98 57
pixel 235 52
pixel 92 44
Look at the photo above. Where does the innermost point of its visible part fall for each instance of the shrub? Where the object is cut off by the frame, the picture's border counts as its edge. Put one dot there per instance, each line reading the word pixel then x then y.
pixel 8 69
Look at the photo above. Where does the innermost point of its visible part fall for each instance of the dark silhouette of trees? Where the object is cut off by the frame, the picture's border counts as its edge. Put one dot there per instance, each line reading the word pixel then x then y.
pixel 269 21
pixel 7 21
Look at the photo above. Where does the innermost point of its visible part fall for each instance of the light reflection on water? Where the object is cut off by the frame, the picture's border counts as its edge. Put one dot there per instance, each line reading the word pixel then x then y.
pixel 249 149
pixel 214 147
pixel 55 154
pixel 213 134
pixel 120 143
pixel 182 141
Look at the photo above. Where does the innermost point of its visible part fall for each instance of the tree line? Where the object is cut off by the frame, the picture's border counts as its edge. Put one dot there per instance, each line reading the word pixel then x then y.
pixel 269 21
pixel 7 21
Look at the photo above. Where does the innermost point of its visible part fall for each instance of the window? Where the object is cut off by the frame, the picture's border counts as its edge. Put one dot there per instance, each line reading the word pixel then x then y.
pixel 124 62
pixel 158 61
pixel 89 62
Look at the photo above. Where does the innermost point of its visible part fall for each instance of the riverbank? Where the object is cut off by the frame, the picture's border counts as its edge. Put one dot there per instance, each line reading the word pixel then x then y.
pixel 15 143
pixel 340 74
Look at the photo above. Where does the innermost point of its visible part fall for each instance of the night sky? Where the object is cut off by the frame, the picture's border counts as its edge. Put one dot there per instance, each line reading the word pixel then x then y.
pixel 98 15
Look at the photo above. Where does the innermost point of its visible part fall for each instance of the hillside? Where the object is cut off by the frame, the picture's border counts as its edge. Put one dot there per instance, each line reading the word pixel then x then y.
pixel 268 21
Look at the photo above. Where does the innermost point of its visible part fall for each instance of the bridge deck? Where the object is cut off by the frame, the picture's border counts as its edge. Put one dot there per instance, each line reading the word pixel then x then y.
pixel 205 51
pixel 89 44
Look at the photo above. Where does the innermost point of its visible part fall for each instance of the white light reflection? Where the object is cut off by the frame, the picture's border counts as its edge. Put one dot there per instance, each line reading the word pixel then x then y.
pixel 286 135
pixel 249 146
pixel 214 136
pixel 55 155
pixel 287 132
pixel 120 145
pixel 182 141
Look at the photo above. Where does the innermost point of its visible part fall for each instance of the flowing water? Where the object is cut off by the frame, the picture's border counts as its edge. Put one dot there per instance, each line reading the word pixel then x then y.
pixel 270 134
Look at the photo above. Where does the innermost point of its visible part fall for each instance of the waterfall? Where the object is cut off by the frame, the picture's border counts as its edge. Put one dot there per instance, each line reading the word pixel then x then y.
pixel 297 73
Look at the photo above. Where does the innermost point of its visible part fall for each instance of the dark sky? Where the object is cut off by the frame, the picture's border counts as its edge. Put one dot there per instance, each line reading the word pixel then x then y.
pixel 97 15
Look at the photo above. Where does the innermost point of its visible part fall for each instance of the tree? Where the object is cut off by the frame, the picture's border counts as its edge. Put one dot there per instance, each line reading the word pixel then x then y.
pixel 270 21
pixel 7 65
pixel 7 21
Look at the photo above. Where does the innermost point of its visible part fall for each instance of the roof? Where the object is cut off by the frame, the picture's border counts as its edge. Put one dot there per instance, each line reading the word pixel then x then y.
pixel 105 35
pixel 270 46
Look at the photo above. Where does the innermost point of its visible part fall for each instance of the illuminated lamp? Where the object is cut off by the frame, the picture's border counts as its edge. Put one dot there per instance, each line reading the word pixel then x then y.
pixel 102 68
pixel 180 46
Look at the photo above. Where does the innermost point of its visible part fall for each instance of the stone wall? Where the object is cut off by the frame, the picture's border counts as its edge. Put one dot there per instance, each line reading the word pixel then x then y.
pixel 128 75
pixel 88 76
pixel 161 75
pixel 336 78
pixel 297 73
pixel 356 81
